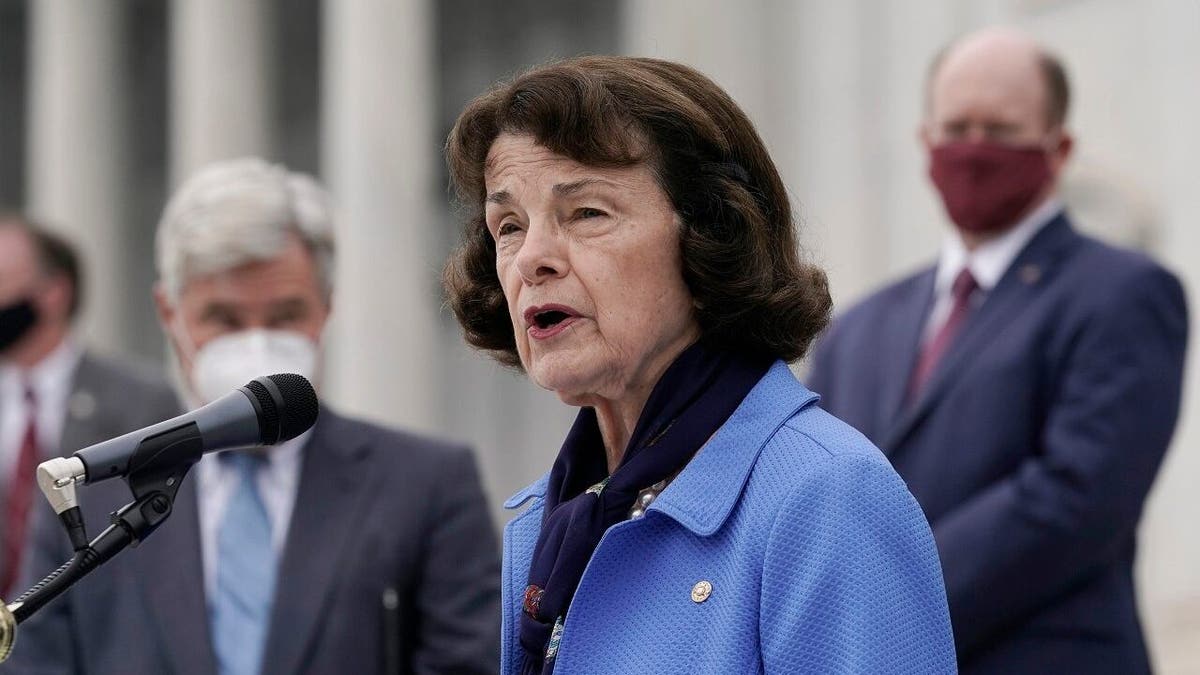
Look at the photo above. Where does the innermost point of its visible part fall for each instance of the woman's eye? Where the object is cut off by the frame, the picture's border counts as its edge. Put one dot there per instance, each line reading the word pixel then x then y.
pixel 507 228
pixel 588 212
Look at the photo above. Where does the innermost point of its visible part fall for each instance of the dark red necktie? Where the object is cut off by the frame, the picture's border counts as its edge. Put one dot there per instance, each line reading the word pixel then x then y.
pixel 19 499
pixel 962 289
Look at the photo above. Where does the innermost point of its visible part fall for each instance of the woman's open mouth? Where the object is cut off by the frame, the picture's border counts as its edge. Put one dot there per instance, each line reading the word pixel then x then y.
pixel 546 321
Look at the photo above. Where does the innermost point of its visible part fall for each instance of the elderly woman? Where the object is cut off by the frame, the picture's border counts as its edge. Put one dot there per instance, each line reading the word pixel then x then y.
pixel 631 247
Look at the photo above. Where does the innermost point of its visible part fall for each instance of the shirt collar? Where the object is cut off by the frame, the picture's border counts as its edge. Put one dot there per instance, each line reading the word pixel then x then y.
pixel 991 259
pixel 289 451
pixel 51 374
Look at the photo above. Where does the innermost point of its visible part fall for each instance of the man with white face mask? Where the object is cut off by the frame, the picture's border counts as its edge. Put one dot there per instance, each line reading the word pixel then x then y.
pixel 1026 386
pixel 351 548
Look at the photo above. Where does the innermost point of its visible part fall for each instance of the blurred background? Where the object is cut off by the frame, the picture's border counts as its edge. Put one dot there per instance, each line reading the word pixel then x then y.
pixel 106 105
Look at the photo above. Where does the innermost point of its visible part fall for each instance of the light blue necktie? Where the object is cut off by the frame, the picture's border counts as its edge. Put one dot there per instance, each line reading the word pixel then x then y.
pixel 241 609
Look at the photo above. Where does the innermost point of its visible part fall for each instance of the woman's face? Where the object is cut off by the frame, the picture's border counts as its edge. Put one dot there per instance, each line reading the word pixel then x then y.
pixel 590 265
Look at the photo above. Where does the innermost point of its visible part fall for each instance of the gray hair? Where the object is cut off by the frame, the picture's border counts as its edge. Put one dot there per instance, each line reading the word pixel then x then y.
pixel 240 211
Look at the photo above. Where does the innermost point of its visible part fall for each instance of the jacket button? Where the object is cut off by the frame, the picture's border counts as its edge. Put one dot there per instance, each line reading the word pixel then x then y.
pixel 701 591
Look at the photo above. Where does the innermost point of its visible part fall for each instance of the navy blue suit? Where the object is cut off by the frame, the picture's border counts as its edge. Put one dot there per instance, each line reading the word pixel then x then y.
pixel 1032 445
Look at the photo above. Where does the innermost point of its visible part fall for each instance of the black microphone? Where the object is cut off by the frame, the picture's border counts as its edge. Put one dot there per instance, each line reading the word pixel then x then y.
pixel 268 410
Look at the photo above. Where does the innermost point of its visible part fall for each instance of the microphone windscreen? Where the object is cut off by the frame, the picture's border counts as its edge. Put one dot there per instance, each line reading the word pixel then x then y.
pixel 287 406
pixel 300 407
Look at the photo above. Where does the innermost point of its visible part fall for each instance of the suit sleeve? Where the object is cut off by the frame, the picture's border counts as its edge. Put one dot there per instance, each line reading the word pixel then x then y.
pixel 1073 506
pixel 45 643
pixel 458 596
pixel 851 582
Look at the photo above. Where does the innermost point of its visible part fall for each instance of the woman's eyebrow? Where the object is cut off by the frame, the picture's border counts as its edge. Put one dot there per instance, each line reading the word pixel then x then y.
pixel 499 197
pixel 503 197
pixel 569 189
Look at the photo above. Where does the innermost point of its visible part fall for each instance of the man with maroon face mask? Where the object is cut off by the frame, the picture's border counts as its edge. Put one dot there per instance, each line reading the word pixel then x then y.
pixel 1026 386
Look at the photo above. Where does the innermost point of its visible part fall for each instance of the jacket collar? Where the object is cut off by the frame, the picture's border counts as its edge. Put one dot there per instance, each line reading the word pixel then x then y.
pixel 535 490
pixel 703 495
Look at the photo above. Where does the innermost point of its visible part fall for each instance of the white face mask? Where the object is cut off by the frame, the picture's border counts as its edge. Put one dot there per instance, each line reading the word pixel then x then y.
pixel 230 361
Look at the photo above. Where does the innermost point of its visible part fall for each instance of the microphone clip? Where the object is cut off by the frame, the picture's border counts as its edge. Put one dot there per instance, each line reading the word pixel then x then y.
pixel 156 470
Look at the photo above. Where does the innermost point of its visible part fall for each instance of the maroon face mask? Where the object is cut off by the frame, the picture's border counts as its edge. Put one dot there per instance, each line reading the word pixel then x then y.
pixel 988 186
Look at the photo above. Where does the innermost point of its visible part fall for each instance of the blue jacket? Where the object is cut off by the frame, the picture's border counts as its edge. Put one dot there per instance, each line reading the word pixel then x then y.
pixel 1031 447
pixel 818 558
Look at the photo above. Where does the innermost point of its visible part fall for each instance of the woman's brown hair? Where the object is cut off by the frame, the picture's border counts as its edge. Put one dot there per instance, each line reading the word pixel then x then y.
pixel 741 262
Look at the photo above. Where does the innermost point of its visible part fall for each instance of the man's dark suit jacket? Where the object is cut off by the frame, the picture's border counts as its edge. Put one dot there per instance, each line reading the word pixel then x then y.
pixel 377 511
pixel 1033 444
pixel 107 399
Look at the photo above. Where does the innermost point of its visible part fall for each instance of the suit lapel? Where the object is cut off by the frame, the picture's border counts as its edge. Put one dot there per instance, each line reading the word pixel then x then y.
pixel 1027 274
pixel 171 567
pixel 904 325
pixel 89 410
pixel 333 489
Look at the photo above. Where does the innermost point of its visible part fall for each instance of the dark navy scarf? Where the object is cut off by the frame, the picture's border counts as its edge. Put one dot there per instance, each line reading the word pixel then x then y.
pixel 694 397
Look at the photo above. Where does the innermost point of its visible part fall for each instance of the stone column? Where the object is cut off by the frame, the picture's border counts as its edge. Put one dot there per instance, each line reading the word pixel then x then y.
pixel 727 41
pixel 804 74
pixel 380 153
pixel 76 149
pixel 222 81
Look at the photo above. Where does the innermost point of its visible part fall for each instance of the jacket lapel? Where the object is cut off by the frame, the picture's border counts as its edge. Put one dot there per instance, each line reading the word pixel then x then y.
pixel 91 409
pixel 1027 274
pixel 904 324
pixel 174 586
pixel 333 489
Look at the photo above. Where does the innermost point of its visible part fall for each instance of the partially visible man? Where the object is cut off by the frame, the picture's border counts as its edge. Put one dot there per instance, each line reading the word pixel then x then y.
pixel 55 397
pixel 351 549
pixel 1026 386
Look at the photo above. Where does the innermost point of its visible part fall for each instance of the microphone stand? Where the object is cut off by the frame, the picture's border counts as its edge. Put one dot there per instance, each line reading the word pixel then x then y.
pixel 155 471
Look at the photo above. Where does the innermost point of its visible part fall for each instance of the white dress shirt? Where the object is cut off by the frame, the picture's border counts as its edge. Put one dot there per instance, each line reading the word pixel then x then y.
pixel 278 479
pixel 51 380
pixel 988 262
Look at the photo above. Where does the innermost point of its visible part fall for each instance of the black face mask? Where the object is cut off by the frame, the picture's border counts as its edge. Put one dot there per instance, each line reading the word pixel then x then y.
pixel 15 321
